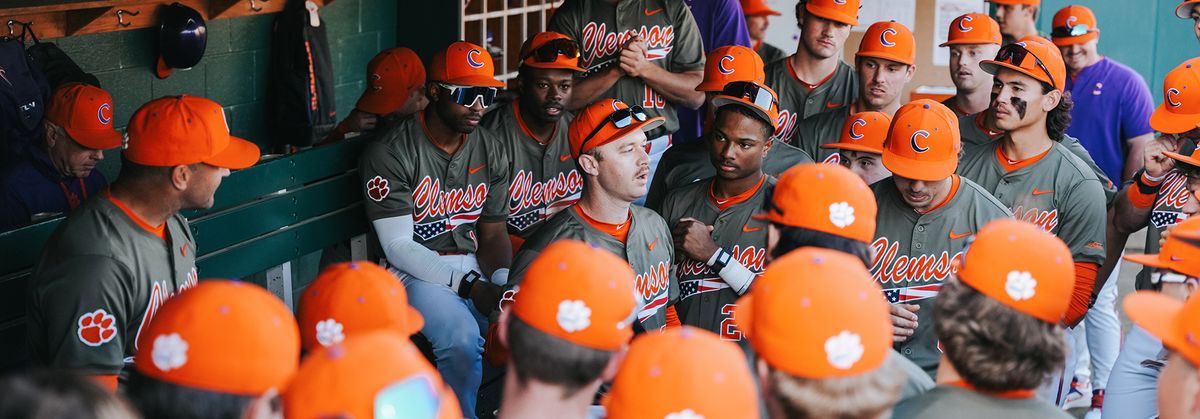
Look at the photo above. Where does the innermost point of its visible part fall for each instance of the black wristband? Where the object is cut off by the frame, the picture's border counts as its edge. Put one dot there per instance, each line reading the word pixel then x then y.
pixel 1143 187
pixel 468 281
pixel 723 258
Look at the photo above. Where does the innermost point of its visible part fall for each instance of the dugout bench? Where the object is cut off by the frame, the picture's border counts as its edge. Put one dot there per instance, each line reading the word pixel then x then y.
pixel 263 218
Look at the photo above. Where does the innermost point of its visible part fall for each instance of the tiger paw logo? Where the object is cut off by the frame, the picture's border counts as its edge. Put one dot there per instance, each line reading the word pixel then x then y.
pixel 377 188
pixel 97 328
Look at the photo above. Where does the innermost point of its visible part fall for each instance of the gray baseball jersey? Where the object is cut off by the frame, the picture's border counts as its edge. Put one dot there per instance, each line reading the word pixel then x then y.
pixel 915 253
pixel 949 401
pixel 647 248
pixel 689 162
pixel 799 100
pixel 602 29
pixel 949 102
pixel 545 179
pixel 1057 192
pixel 820 129
pixel 769 53
pixel 705 300
pixel 405 174
pixel 102 276
pixel 1168 206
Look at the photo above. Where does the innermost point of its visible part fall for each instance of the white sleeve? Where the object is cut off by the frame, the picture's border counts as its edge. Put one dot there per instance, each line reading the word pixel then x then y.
pixel 735 274
pixel 405 254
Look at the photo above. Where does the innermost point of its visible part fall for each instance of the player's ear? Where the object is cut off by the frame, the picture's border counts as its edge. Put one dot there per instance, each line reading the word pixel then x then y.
pixel 432 91
pixel 1050 100
pixel 912 69
pixel 51 134
pixel 180 176
pixel 589 164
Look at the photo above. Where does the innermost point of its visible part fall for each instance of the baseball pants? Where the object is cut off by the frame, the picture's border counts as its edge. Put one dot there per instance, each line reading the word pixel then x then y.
pixel 1057 385
pixel 1132 391
pixel 455 329
pixel 1102 330
pixel 658 146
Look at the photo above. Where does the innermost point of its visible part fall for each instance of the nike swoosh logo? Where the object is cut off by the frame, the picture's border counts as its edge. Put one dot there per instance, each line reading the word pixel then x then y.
pixel 652 244
pixel 476 169
pixel 1037 192
pixel 746 229
pixel 833 105
pixel 959 236
pixel 564 157
pixel 652 12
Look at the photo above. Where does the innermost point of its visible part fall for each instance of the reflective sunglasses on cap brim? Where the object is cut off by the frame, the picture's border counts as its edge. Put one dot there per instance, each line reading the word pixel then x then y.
pixel 412 398
pixel 1015 54
pixel 758 95
pixel 1069 31
pixel 468 95
pixel 620 118
pixel 549 52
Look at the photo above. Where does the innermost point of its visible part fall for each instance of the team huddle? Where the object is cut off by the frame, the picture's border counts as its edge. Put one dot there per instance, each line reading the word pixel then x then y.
pixel 663 225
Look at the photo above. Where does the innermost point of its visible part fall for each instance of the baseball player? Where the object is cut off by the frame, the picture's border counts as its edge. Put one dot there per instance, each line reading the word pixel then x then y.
pixel 884 64
pixel 972 38
pixel 1187 10
pixel 395 78
pixel 722 248
pixel 1170 315
pixel 814 79
pixel 442 231
pixel 1017 279
pixel 1035 176
pixel 758 15
pixel 643 52
pixel 223 349
pixel 860 147
pixel 352 298
pixel 608 140
pixel 108 268
pixel 683 373
pixel 828 207
pixel 1157 199
pixel 688 162
pixel 1017 18
pixel 926 215
pixel 566 336
pixel 58 174
pixel 533 129
pixel 367 376
pixel 836 366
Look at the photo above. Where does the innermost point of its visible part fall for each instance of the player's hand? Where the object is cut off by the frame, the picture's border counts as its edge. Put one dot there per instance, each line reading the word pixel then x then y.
pixel 1156 161
pixel 486 296
pixel 633 58
pixel 694 238
pixel 360 121
pixel 904 321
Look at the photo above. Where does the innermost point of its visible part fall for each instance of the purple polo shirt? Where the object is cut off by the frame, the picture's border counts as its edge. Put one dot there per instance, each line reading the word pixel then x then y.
pixel 721 23
pixel 1112 105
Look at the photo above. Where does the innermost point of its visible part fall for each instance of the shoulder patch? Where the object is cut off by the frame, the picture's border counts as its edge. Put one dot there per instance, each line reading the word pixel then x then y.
pixel 96 328
pixel 377 188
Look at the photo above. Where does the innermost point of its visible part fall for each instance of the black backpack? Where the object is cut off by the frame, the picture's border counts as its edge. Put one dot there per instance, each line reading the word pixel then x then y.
pixel 58 68
pixel 24 95
pixel 300 94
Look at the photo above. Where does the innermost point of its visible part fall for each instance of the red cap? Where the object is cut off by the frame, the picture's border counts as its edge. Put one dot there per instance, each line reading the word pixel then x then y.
pixel 561 61
pixel 222 336
pixel 597 114
pixel 757 8
pixel 826 198
pixel 464 64
pixel 392 76
pixel 865 132
pixel 973 28
pixel 1070 17
pixel 1048 54
pixel 729 64
pixel 923 142
pixel 1180 110
pixel 1021 266
pixel 889 41
pixel 844 11
pixel 86 113
pixel 351 298
pixel 179 130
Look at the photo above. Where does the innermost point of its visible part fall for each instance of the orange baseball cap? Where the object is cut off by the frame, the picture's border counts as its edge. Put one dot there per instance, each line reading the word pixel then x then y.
pixel 847 329
pixel 222 336
pixel 758 8
pixel 1188 154
pixel 179 130
pixel 351 298
pixel 889 41
pixel 864 131
pixel 86 113
pixel 392 76
pixel 464 64
pixel 594 309
pixel 683 373
pixel 1022 266
pixel 753 96
pixel 1184 10
pixel 973 28
pixel 1074 24
pixel 1179 252
pixel 594 127
pixel 1180 110
pixel 1051 71
pixel 376 374
pixel 729 64
pixel 844 11
pixel 566 56
pixel 1017 2
pixel 923 142
pixel 1176 323
pixel 824 197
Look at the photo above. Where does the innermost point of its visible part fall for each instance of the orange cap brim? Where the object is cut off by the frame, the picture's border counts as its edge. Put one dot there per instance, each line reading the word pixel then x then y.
pixel 415 322
pixel 1157 314
pixel 161 70
pixel 1072 40
pixel 831 14
pixel 96 139
pixel 1150 260
pixel 1182 158
pixel 240 154
pixel 761 11
pixel 968 42
pixel 479 80
pixel 379 103
pixel 722 100
pixel 556 65
pixel 930 171
pixel 1184 10
pixel 889 57
pixel 1168 122
pixel 646 125
pixel 992 67
pixel 853 147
